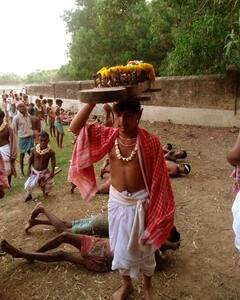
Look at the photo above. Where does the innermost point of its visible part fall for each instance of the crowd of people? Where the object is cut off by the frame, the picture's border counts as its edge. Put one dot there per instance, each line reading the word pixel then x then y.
pixel 138 184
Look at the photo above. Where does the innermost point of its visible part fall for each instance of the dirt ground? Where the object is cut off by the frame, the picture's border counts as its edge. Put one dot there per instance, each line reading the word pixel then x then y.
pixel 205 267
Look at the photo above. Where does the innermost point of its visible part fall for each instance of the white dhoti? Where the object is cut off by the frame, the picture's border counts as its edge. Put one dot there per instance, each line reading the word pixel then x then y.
pixel 236 220
pixel 126 215
pixel 39 179
pixel 5 153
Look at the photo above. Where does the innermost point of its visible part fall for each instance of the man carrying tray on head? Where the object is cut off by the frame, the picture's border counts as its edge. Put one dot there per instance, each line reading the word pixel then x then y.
pixel 141 205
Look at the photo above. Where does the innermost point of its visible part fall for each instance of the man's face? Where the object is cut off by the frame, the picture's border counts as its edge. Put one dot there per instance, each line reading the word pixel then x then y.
pixel 126 121
pixel 22 108
pixel 43 142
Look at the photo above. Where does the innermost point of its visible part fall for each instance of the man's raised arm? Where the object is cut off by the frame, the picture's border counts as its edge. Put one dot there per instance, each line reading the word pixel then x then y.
pixel 233 155
pixel 81 118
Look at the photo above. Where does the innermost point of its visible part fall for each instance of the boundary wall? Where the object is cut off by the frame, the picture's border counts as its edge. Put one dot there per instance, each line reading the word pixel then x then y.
pixel 209 100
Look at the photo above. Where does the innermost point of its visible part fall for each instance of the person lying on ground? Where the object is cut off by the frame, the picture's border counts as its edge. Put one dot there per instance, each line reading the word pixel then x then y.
pixel 95 225
pixel 38 171
pixel 174 170
pixel 93 252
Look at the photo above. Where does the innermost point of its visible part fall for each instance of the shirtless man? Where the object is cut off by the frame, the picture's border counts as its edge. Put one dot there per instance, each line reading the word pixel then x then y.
pixel 138 172
pixel 51 117
pixel 8 148
pixel 58 123
pixel 36 125
pixel 38 171
pixel 39 112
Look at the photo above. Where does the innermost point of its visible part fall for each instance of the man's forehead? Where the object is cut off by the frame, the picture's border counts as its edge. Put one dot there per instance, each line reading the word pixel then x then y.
pixel 126 112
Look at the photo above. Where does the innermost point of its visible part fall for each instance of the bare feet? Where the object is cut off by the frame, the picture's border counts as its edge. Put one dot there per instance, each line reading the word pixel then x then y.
pixel 28 198
pixel 123 292
pixel 6 247
pixel 30 224
pixel 148 294
pixel 36 211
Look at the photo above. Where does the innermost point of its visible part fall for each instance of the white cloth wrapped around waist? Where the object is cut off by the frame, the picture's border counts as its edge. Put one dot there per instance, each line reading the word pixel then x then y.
pixel 5 153
pixel 137 199
pixel 236 220
pixel 33 179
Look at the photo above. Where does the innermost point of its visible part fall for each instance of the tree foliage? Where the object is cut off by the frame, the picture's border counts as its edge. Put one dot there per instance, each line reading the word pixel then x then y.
pixel 178 37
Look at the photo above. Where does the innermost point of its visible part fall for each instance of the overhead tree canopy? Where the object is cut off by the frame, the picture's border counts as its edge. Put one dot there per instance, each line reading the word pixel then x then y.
pixel 178 37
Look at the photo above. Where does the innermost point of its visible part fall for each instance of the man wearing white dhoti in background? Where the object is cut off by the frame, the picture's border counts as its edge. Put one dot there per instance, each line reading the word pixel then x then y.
pixel 141 205
pixel 8 149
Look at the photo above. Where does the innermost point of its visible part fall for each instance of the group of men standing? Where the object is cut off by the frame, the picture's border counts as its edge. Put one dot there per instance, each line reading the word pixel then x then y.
pixel 24 120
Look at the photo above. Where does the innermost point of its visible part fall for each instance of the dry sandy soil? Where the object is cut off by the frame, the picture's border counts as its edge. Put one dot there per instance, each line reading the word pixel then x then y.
pixel 205 267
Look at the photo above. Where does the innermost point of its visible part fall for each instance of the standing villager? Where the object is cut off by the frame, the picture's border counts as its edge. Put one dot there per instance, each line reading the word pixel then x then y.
pixel 39 112
pixel 8 149
pixel 58 122
pixel 141 204
pixel 51 117
pixel 22 127
pixel 233 158
pixel 36 125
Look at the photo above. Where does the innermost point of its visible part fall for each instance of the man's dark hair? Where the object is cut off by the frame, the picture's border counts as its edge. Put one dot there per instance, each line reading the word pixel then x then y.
pixel 59 101
pixel 130 106
pixel 31 111
pixel 2 114
pixel 50 100
pixel 44 135
pixel 41 97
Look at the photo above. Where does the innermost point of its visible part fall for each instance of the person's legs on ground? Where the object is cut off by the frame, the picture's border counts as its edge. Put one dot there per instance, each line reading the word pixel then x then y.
pixel 64 237
pixel 53 220
pixel 9 180
pixel 61 140
pixel 54 131
pixel 57 138
pixel 28 197
pixel 46 257
pixel 21 163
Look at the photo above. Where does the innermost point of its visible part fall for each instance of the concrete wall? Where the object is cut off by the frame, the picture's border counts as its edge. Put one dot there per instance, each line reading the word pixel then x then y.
pixel 211 100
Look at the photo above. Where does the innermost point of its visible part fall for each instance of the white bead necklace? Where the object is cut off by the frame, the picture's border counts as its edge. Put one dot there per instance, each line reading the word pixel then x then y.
pixel 42 151
pixel 119 155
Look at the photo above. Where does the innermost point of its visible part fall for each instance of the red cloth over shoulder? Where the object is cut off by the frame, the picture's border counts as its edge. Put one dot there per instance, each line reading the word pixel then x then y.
pixel 93 143
pixel 161 204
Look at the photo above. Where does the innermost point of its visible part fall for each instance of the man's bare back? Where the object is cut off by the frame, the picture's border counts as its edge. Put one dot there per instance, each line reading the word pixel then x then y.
pixel 36 123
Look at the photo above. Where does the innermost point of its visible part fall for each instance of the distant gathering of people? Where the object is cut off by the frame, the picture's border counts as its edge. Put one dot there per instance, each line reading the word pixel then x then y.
pixel 139 225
